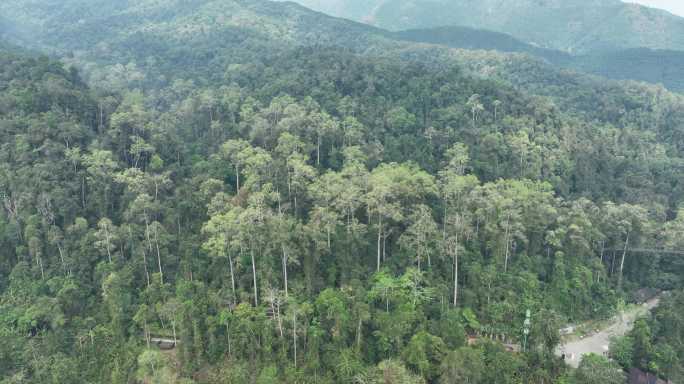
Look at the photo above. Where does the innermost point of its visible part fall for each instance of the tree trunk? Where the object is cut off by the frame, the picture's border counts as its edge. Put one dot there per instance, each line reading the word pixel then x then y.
pixel 379 241
pixel 237 176
pixel 294 335
pixel 318 150
pixel 508 229
pixel 101 118
pixel 456 271
pixel 254 278
pixel 622 262
pixel 109 254
pixel 232 277
pixel 446 218
pixel 147 273
pixel 285 271
pixel 384 246
pixel 156 244
pixel 147 334
pixel 359 329
pixel 147 233
pixel 275 309
pixel 61 258
pixel 489 290
pixel 106 200
pixel 83 192
pixel 603 250
pixel 39 261
pixel 329 240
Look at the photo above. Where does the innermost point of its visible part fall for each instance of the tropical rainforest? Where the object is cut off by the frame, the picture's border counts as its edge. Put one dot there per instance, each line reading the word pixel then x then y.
pixel 280 196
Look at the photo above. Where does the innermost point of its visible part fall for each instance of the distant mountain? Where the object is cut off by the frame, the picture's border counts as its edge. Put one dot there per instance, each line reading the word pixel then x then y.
pixel 78 25
pixel 163 38
pixel 361 10
pixel 205 36
pixel 574 26
pixel 6 47
pixel 654 66
pixel 7 28
pixel 471 38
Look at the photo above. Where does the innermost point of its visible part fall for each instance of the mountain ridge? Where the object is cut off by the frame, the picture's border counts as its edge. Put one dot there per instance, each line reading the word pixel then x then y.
pixel 160 36
pixel 578 26
pixel 642 64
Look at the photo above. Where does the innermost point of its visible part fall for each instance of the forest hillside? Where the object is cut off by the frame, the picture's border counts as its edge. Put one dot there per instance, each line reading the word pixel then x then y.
pixel 278 196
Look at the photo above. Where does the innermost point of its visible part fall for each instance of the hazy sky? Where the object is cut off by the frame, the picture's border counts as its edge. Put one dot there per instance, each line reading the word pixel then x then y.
pixel 674 6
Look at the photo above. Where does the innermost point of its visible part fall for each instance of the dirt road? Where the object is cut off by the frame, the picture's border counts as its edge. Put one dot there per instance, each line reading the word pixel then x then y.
pixel 598 342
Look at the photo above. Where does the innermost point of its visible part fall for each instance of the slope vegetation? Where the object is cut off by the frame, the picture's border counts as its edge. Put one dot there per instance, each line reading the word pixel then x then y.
pixel 297 198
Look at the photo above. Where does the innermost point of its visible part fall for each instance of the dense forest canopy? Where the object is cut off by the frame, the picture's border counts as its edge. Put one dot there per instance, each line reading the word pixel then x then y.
pixel 284 197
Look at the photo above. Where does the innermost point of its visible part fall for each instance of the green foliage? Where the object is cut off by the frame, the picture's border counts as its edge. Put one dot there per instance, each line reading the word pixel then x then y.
pixel 622 350
pixel 654 344
pixel 268 375
pixel 451 329
pixel 283 212
pixel 393 372
pixel 463 365
pixel 424 353
pixel 596 369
